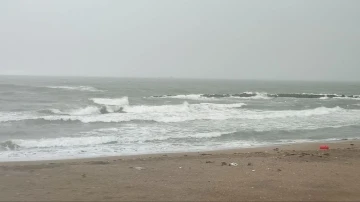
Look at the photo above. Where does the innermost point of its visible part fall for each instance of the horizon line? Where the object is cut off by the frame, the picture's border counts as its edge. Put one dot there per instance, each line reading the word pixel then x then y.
pixel 180 78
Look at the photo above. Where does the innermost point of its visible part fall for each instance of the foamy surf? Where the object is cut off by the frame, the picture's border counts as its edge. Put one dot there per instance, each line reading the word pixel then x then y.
pixel 115 145
pixel 187 112
pixel 162 113
pixel 121 117
pixel 89 110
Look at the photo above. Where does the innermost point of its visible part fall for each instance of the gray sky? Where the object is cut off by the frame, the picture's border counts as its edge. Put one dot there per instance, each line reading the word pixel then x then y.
pixel 235 39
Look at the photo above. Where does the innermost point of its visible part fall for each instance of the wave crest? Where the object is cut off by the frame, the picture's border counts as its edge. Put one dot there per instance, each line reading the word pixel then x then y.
pixel 78 112
pixel 119 110
pixel 191 112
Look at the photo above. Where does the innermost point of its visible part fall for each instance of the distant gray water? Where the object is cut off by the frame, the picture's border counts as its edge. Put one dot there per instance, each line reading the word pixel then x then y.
pixel 59 118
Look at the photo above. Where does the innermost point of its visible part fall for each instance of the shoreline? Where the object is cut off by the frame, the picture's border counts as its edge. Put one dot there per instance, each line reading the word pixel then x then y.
pixel 295 172
pixel 176 153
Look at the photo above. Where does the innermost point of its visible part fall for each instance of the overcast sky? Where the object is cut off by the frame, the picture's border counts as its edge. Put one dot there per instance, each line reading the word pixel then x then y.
pixel 235 39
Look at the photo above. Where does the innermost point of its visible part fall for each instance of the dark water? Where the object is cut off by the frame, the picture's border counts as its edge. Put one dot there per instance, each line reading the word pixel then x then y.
pixel 52 117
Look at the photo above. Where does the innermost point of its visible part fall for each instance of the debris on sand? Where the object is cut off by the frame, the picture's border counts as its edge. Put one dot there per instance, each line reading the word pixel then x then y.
pixel 324 147
pixel 249 164
pixel 223 163
pixel 233 164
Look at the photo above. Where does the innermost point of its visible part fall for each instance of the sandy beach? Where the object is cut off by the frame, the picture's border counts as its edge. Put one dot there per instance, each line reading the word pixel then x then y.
pixel 299 172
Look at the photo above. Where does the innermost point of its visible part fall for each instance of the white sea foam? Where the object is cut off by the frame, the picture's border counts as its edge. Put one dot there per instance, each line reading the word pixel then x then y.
pixel 132 138
pixel 347 98
pixel 16 116
pixel 126 140
pixel 163 113
pixel 111 104
pixel 100 139
pixel 177 113
pixel 187 112
pixel 32 154
pixel 78 112
pixel 185 107
pixel 76 88
pixel 86 147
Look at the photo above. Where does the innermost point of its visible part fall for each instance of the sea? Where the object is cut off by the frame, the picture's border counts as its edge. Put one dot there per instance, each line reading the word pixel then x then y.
pixel 45 118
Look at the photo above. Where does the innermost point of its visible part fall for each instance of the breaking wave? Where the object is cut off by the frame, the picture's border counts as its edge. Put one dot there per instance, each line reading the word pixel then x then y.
pixel 119 110
pixel 191 112
pixel 78 112
pixel 113 110
pixel 162 113
pixel 187 112
pixel 131 139
pixel 16 116
pixel 258 95
pixel 130 134
pixel 8 145
pixel 76 88
pixel 113 138
pixel 104 106
pixel 111 105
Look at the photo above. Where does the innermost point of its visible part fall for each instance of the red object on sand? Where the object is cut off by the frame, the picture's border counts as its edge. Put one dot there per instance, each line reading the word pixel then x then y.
pixel 325 147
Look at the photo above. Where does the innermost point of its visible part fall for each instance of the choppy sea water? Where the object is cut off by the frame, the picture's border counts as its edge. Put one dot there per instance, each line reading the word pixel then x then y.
pixel 59 118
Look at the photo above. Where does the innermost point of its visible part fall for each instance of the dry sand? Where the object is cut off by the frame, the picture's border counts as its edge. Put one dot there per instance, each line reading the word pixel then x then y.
pixel 291 173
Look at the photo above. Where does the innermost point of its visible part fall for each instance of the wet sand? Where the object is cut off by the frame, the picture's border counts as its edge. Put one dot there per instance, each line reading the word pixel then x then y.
pixel 297 172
